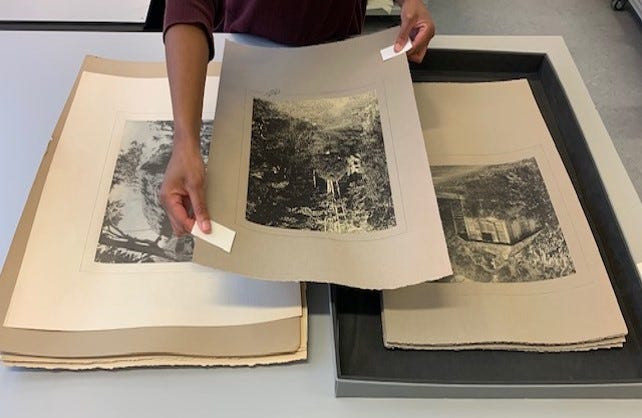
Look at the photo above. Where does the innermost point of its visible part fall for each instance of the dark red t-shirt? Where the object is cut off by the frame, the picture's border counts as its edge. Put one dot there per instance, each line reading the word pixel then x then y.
pixel 290 22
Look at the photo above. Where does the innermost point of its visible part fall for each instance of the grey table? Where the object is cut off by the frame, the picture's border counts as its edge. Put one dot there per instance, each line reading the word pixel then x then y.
pixel 37 72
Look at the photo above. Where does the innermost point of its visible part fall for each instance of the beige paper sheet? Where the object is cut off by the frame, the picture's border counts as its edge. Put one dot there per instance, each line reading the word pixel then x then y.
pixel 151 361
pixel 306 130
pixel 263 340
pixel 61 287
pixel 498 124
pixel 298 352
pixel 595 345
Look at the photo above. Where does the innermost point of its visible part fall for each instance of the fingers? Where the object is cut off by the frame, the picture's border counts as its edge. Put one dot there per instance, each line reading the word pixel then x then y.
pixel 420 45
pixel 404 34
pixel 179 203
pixel 425 32
pixel 182 193
pixel 197 200
pixel 416 24
pixel 177 213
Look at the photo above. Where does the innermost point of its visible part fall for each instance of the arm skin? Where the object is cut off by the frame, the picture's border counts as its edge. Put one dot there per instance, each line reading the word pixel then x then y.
pixel 416 24
pixel 183 190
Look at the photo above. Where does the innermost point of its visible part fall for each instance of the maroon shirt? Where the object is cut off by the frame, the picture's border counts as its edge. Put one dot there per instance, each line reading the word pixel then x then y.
pixel 290 22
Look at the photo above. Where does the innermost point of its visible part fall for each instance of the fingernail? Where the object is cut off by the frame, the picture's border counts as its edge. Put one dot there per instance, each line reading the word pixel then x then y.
pixel 205 226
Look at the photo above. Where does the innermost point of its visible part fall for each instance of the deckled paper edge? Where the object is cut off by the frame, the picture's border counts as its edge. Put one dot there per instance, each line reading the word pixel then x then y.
pixel 159 361
pixel 166 360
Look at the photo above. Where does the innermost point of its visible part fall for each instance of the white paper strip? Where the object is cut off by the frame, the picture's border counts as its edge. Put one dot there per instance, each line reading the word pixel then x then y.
pixel 221 236
pixel 389 52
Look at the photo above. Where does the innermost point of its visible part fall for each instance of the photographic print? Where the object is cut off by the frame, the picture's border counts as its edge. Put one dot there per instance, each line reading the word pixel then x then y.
pixel 500 224
pixel 135 228
pixel 319 165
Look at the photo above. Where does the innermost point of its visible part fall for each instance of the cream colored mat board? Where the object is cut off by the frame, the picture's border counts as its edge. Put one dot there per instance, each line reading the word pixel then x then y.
pixel 89 199
pixel 282 339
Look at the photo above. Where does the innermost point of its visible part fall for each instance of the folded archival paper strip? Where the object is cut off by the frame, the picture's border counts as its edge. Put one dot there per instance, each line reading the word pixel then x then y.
pixel 527 271
pixel 120 329
pixel 321 169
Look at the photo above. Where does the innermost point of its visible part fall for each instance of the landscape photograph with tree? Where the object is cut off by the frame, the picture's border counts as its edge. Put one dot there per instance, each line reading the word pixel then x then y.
pixel 135 227
pixel 319 165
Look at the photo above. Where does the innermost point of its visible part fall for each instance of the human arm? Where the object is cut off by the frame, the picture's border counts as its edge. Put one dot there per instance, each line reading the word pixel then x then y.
pixel 183 190
pixel 416 24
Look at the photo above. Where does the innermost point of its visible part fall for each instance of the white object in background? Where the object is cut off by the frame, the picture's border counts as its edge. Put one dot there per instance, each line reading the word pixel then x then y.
pixel 119 11
pixel 384 6
pixel 221 236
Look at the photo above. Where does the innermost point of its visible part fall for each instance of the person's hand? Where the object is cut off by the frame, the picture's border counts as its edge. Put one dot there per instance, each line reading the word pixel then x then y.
pixel 416 24
pixel 183 190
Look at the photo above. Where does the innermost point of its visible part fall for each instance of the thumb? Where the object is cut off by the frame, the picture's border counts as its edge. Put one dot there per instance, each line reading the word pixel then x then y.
pixel 402 37
pixel 197 200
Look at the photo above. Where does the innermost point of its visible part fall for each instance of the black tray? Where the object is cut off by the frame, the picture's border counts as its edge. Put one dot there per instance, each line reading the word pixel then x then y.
pixel 366 368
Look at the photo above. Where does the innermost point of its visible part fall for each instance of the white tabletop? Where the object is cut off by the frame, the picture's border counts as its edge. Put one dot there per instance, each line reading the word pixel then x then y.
pixel 37 73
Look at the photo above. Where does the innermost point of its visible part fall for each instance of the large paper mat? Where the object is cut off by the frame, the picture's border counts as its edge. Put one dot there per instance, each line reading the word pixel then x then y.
pixel 297 352
pixel 255 340
pixel 527 270
pixel 319 166
pixel 101 253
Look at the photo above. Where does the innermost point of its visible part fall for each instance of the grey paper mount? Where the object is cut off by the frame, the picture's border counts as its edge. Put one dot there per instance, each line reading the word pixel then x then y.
pixel 365 368
pixel 278 341
pixel 535 259
pixel 321 169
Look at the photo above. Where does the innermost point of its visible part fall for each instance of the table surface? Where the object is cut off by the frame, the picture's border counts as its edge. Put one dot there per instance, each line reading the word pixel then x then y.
pixel 38 71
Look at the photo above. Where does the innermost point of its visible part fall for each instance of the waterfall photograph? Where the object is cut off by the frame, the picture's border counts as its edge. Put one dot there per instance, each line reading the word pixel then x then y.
pixel 135 227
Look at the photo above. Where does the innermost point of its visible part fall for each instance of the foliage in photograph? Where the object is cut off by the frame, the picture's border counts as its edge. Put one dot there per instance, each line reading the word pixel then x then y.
pixel 319 165
pixel 135 227
pixel 500 224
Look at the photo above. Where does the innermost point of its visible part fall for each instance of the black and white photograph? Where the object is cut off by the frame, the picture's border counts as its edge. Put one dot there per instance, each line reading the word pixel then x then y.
pixel 135 228
pixel 500 224
pixel 319 165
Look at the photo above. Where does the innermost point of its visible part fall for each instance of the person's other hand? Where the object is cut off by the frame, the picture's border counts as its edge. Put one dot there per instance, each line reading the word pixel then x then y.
pixel 183 190
pixel 416 24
